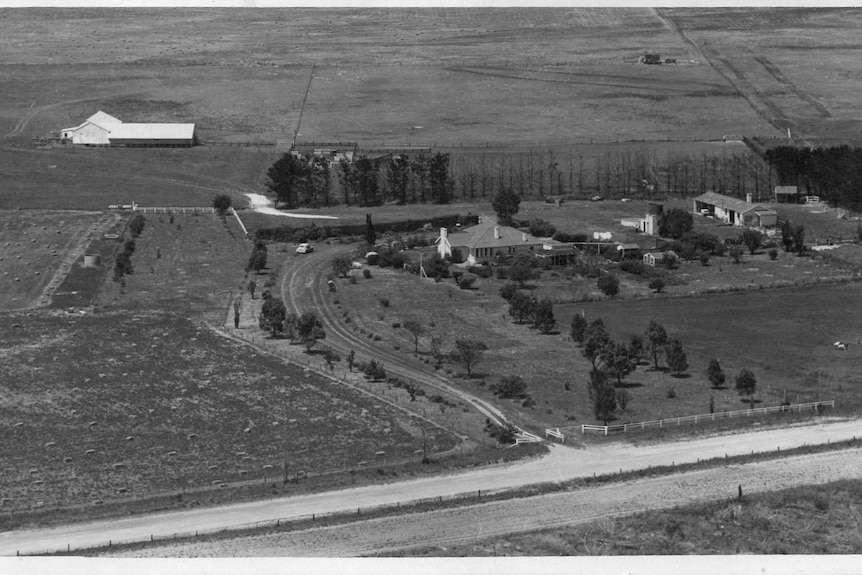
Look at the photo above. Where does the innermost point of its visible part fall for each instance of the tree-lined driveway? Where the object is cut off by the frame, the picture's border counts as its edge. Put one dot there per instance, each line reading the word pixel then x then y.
pixel 304 288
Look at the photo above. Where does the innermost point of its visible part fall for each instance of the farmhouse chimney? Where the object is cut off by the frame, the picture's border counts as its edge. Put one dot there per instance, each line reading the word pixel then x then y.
pixel 496 232
pixel 748 198
pixel 523 236
pixel 444 232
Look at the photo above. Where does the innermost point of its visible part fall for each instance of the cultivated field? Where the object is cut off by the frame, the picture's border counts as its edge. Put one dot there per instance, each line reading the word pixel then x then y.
pixel 38 248
pixel 121 405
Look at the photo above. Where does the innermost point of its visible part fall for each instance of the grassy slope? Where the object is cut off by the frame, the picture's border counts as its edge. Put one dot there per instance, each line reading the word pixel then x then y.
pixel 820 519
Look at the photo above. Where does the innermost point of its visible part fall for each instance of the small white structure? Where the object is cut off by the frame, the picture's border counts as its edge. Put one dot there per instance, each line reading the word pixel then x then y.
pixel 602 236
pixel 444 248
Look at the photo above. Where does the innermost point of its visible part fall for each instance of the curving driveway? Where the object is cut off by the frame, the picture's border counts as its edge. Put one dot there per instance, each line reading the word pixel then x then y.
pixel 303 288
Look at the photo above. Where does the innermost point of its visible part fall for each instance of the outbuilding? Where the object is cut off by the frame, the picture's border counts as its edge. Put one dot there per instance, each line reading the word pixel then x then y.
pixel 102 129
pixel 735 211
pixel 488 241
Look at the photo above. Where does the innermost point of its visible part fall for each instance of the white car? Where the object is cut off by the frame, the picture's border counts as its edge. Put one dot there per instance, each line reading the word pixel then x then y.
pixel 304 249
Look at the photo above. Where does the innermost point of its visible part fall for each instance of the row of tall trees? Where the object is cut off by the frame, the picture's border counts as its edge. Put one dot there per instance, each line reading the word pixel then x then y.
pixel 311 181
pixel 834 173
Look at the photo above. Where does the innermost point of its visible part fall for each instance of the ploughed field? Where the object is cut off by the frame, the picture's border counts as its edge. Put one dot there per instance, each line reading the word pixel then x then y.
pixel 121 405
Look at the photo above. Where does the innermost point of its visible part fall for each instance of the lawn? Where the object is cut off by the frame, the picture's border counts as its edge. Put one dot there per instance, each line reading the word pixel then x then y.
pixel 123 404
pixel 36 249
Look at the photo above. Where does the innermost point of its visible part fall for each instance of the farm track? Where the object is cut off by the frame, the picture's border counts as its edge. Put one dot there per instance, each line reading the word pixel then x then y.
pixel 779 77
pixel 764 107
pixel 303 284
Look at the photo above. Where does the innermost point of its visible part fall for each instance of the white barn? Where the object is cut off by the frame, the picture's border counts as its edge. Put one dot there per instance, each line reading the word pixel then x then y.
pixel 102 129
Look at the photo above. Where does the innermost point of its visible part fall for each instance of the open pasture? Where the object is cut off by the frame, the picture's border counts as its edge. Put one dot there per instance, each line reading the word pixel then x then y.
pixel 120 405
pixel 36 248
pixel 94 178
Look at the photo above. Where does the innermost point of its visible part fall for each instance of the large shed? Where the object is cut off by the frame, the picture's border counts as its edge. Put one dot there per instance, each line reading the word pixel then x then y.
pixel 102 129
pixel 735 211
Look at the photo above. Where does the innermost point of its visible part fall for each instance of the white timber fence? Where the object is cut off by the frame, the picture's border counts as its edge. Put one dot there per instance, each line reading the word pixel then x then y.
pixel 174 210
pixel 626 427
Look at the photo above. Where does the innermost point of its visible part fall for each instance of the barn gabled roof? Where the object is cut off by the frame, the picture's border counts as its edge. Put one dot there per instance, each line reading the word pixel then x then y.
pixel 103 120
pixel 728 203
pixel 152 131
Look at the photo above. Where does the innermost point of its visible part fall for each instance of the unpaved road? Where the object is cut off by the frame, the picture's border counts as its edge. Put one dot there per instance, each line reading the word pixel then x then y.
pixel 561 464
pixel 483 520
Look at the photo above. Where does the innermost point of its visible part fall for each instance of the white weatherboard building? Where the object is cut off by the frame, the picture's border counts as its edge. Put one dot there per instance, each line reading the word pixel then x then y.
pixel 102 129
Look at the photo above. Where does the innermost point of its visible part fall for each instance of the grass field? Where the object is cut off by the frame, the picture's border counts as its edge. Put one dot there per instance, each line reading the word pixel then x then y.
pixel 816 519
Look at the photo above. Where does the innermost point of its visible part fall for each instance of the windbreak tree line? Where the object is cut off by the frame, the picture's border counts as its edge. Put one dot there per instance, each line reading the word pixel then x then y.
pixel 313 181
pixel 834 173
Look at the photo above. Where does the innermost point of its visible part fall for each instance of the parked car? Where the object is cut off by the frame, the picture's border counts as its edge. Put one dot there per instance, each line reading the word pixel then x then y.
pixel 304 249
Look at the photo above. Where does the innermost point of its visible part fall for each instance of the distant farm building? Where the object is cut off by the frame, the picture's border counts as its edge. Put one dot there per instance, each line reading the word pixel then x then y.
pixel 651 58
pixel 657 258
pixel 787 194
pixel 488 241
pixel 735 211
pixel 102 129
pixel 647 225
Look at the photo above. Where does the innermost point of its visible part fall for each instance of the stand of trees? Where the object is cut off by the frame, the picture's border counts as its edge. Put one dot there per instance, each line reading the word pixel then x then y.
pixel 298 180
pixel 834 173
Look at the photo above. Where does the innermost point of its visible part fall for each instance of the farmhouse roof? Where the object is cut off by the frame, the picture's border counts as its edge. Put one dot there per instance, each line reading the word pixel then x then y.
pixel 484 236
pixel 152 131
pixel 628 247
pixel 728 203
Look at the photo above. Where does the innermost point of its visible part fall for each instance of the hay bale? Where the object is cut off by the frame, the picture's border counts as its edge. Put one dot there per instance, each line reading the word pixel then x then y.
pixel 171 453
pixel 90 452
pixel 67 460
pixel 34 471
pixel 93 423
pixel 212 467
pixel 266 467
pixel 243 472
pixel 217 482
pixel 118 465
pixel 51 444
pixel 130 438
pixel 192 435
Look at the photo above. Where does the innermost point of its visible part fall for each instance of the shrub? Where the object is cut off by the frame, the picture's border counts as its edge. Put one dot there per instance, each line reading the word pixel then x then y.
pixel 136 225
pixel 570 238
pixel 657 284
pixel 773 253
pixel 353 280
pixel 366 273
pixel 483 272
pixel 222 203
pixel 384 301
pixel 542 229
pixel 631 266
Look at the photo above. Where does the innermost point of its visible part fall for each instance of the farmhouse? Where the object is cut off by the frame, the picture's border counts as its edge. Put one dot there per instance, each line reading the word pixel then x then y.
pixel 102 129
pixel 735 211
pixel 488 241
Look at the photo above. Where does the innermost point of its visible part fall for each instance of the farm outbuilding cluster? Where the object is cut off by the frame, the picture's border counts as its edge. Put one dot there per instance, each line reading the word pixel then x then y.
pixel 102 129
pixel 735 211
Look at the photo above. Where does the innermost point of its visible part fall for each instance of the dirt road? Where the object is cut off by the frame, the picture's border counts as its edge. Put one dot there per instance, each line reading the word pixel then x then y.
pixel 484 520
pixel 303 289
pixel 561 464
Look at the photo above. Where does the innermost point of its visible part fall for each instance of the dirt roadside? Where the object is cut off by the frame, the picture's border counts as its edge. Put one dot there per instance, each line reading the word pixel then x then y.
pixel 477 522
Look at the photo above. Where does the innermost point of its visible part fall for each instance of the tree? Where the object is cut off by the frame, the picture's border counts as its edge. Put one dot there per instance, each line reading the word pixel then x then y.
pixel 136 225
pixel 656 284
pixel 521 307
pixel 237 308
pixel 799 239
pixel 656 340
pixel 511 386
pixel 736 252
pixel 787 235
pixel 675 223
pixel 341 265
pixel 469 352
pixel 438 176
pixel 222 203
pixel 676 359
pixel 416 330
pixel 608 284
pixel 370 234
pixel 752 239
pixel 351 360
pixel 636 347
pixel 398 176
pixel 746 384
pixel 272 316
pixel 623 399
pixel 252 285
pixel 579 327
pixel 374 371
pixel 543 319
pixel 506 204
pixel 286 178
pixel 618 361
pixel 330 357
pixel 310 329
pixel 521 271
pixel 508 291
pixel 257 259
pixel 596 339
pixel 603 395
pixel 715 374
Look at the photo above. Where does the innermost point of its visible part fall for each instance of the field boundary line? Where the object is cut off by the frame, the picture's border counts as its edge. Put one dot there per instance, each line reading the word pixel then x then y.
pixel 641 425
